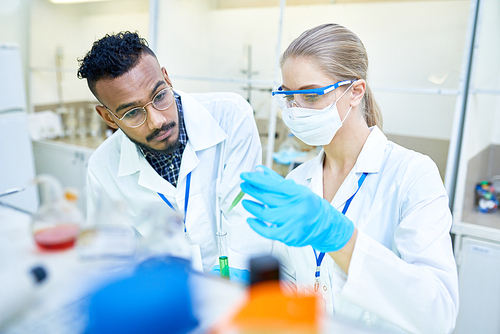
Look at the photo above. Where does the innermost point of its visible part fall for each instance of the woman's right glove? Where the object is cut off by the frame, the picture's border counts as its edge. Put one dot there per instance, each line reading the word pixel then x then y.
pixel 292 213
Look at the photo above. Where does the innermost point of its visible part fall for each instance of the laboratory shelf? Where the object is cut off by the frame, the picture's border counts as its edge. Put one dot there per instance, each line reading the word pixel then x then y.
pixel 483 231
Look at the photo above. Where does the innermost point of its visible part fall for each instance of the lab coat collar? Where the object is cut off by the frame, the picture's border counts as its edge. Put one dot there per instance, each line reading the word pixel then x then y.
pixel 317 166
pixel 372 154
pixel 369 160
pixel 132 161
pixel 202 129
pixel 130 156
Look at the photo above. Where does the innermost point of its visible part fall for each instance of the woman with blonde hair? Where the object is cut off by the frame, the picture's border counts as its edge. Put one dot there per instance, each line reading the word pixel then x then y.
pixel 377 210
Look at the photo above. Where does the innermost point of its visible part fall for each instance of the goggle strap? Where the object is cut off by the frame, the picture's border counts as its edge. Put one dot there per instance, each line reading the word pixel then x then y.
pixel 326 89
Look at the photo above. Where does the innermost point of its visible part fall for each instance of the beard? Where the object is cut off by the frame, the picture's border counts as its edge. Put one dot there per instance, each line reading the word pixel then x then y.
pixel 167 150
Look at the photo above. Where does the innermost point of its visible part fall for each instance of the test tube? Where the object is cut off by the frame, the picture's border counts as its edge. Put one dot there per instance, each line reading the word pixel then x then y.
pixel 223 259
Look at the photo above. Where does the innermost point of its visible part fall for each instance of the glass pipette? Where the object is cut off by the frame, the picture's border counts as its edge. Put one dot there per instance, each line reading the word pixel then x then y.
pixel 236 200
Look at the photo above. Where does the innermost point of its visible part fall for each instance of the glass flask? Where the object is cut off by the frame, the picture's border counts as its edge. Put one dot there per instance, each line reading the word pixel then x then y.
pixel 56 224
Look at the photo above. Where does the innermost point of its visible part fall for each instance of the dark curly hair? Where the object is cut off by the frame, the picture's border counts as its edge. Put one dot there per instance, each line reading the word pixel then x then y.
pixel 112 56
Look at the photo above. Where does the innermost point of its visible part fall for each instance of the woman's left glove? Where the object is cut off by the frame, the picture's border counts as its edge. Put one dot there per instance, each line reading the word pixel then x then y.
pixel 241 276
pixel 292 213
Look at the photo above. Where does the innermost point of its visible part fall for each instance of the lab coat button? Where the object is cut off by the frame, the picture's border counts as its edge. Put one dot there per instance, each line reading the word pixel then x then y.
pixel 325 288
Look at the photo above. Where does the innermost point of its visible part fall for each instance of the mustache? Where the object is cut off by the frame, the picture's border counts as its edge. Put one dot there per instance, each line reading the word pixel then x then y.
pixel 160 131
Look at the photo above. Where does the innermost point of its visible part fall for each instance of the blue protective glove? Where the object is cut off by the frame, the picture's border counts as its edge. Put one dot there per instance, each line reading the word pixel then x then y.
pixel 292 213
pixel 241 276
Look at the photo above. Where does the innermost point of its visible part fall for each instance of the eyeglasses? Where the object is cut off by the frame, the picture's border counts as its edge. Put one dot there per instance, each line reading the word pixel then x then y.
pixel 307 98
pixel 136 117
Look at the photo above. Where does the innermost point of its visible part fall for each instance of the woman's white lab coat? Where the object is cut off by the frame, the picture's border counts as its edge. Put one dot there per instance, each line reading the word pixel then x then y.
pixel 402 275
pixel 216 123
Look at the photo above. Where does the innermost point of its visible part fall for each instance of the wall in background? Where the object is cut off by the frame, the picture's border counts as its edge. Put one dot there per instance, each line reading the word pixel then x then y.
pixel 411 45
pixel 15 29
pixel 71 29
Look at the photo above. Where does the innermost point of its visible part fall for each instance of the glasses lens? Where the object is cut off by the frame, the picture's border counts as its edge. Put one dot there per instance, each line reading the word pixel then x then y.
pixel 134 117
pixel 284 101
pixel 310 101
pixel 163 99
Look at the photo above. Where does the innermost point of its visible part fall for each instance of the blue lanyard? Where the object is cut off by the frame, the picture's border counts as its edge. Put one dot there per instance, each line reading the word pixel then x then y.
pixel 319 258
pixel 186 199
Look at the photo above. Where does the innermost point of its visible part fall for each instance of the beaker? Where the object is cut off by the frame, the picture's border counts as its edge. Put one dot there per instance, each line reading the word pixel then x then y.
pixel 107 234
pixel 162 235
pixel 223 258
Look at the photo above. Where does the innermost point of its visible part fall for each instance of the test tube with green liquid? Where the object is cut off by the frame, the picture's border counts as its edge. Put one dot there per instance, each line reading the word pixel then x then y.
pixel 223 259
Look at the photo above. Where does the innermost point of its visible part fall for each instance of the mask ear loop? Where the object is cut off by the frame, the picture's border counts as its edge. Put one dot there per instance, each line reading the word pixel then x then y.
pixel 346 115
pixel 340 98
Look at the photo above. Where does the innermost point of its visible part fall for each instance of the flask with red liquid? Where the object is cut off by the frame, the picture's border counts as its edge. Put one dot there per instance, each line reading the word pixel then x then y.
pixel 56 224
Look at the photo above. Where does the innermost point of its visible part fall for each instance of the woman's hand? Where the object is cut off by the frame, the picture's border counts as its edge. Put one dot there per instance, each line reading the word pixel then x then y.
pixel 292 213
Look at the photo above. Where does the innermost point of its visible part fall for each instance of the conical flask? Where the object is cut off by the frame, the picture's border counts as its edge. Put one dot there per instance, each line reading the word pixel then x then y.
pixel 56 224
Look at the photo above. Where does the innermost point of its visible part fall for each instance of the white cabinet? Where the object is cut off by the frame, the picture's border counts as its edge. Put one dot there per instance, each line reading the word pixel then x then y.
pixel 67 162
pixel 479 287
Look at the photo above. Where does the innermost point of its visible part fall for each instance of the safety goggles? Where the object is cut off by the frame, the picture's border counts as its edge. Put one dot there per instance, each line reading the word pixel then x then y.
pixel 135 117
pixel 307 98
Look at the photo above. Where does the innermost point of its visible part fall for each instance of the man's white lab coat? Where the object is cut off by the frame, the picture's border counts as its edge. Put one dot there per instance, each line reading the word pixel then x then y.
pixel 216 123
pixel 402 275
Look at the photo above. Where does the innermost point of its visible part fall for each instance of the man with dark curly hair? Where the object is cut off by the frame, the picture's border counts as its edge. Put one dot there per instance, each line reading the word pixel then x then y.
pixel 172 150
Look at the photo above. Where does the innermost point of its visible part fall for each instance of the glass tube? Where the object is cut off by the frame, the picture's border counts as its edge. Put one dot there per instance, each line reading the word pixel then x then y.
pixel 223 259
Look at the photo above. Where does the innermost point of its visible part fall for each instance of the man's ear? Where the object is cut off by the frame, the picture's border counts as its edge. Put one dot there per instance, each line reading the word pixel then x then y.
pixel 106 116
pixel 165 76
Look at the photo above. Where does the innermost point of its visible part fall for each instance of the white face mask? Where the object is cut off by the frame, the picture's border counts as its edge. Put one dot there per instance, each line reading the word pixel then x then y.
pixel 314 127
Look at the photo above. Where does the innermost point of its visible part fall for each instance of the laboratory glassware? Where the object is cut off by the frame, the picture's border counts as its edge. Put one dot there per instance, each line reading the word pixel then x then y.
pixel 56 224
pixel 107 234
pixel 223 258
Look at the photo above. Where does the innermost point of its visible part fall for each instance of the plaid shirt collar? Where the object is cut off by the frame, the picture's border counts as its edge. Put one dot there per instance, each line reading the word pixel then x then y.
pixel 169 165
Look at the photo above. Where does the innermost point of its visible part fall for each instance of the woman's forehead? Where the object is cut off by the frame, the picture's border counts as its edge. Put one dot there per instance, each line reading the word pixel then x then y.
pixel 304 73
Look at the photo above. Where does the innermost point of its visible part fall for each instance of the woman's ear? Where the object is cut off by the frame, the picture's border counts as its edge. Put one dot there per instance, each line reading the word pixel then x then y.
pixel 357 92
pixel 106 116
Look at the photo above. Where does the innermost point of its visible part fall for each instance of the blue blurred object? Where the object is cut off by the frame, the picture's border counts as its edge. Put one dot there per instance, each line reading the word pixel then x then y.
pixel 286 157
pixel 156 299
pixel 241 276
pixel 288 151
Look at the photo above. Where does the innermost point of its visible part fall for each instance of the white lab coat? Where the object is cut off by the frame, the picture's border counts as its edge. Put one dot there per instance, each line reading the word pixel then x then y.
pixel 402 275
pixel 213 121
